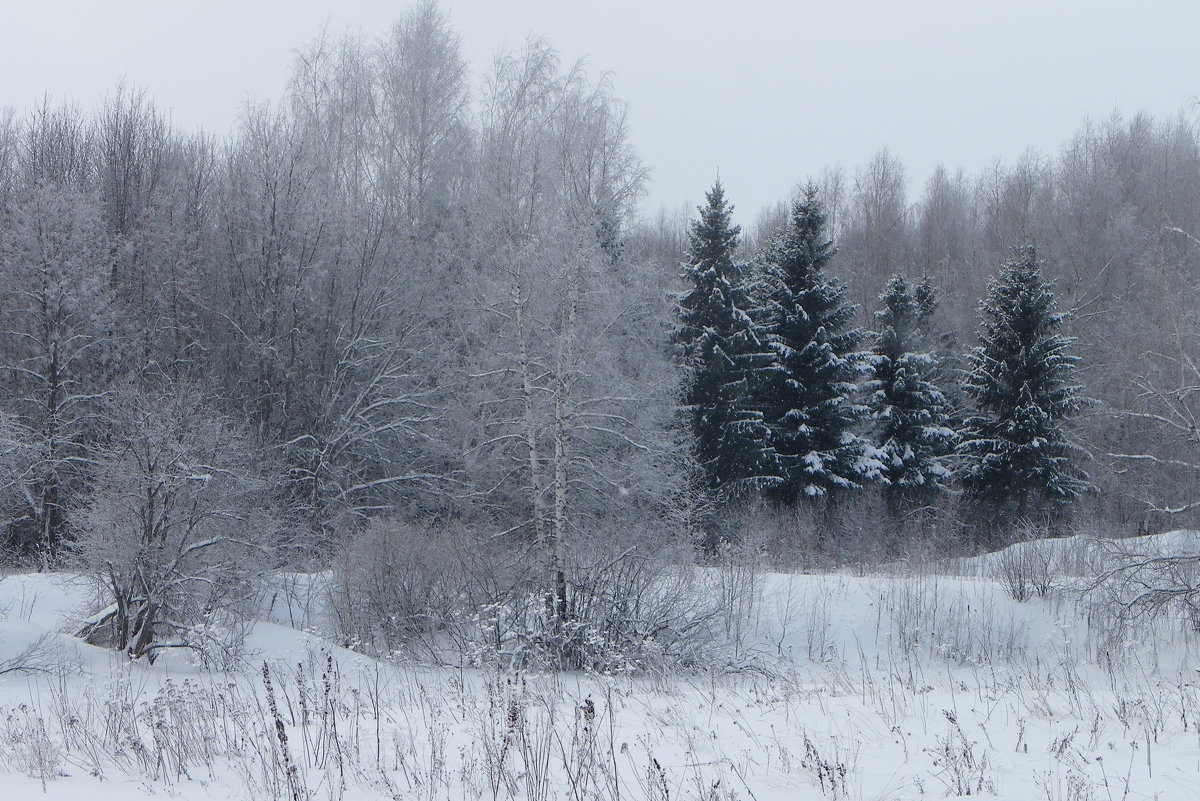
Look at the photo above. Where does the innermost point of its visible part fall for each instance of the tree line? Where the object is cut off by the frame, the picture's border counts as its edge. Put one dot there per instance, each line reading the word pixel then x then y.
pixel 394 322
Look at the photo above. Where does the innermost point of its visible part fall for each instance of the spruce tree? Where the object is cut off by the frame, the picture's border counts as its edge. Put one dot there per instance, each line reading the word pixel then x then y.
pixel 1017 457
pixel 724 358
pixel 912 414
pixel 810 401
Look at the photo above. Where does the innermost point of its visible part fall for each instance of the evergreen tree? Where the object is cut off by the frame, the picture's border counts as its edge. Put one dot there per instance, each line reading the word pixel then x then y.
pixel 915 436
pixel 1015 450
pixel 724 357
pixel 926 300
pixel 810 401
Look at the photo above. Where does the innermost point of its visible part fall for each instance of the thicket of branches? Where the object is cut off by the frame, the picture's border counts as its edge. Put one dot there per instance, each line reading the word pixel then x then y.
pixel 399 296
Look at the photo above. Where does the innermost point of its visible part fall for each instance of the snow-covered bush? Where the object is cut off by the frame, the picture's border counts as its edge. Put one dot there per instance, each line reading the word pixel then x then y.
pixel 1028 568
pixel 628 610
pixel 398 585
pixel 657 628
pixel 179 526
pixel 446 592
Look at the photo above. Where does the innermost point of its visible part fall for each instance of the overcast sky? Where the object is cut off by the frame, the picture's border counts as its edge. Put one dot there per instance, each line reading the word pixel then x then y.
pixel 766 92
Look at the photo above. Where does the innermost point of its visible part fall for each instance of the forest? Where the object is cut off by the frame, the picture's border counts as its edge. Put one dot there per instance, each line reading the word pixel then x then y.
pixel 411 328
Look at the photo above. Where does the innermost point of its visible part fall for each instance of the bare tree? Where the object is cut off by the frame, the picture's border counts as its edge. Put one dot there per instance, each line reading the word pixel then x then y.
pixel 877 227
pixel 18 459
pixel 880 207
pixel 59 325
pixel 9 154
pixel 382 133
pixel 419 116
pixel 57 148
pixel 179 525
pixel 946 241
pixel 571 441
pixel 1166 414
pixel 1011 202
pixel 131 140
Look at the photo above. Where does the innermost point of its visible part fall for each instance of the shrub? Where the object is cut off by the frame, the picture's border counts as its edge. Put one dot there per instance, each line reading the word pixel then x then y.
pixel 398 585
pixel 180 524
pixel 1029 568
pixel 628 610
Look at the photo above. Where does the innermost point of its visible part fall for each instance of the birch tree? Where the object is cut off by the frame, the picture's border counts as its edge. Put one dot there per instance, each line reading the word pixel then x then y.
pixel 420 117
pixel 565 446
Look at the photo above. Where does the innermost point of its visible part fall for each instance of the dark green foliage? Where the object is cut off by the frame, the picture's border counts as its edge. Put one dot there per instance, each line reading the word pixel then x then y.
pixel 724 357
pixel 1015 447
pixel 912 414
pixel 810 400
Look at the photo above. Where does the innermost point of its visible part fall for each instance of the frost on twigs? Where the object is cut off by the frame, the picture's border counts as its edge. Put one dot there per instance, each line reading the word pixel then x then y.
pixel 1146 579
pixel 176 558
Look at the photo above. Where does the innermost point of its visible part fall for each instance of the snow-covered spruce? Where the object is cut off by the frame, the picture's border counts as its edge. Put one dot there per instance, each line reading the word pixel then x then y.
pixel 1017 456
pixel 725 357
pixel 810 400
pixel 911 414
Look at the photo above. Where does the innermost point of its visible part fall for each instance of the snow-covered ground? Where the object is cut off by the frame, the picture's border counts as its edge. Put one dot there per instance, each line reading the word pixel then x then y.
pixel 896 684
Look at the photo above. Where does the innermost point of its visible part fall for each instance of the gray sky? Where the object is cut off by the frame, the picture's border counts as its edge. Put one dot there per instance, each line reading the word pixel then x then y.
pixel 766 92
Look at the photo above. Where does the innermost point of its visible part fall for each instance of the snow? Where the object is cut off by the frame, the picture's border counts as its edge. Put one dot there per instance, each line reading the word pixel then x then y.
pixel 912 681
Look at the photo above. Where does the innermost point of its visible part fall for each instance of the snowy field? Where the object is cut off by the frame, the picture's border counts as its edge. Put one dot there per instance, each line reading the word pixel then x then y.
pixel 906 683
